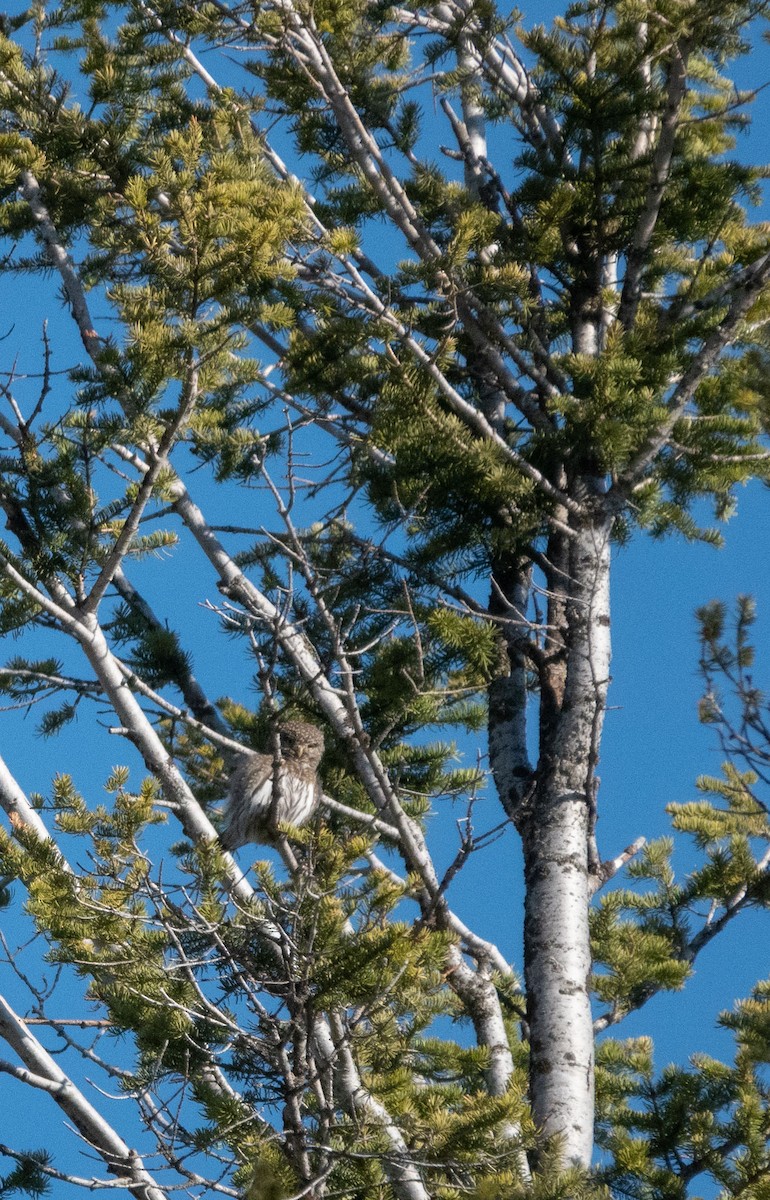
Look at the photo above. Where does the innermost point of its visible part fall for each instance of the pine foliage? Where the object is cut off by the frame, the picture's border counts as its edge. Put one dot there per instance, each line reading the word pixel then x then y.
pixel 371 329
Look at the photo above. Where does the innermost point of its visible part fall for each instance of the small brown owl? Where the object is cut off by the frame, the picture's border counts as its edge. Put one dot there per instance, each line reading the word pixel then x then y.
pixel 258 803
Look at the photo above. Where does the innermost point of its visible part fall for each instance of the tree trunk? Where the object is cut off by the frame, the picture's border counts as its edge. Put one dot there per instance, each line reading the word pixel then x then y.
pixel 507 716
pixel 557 828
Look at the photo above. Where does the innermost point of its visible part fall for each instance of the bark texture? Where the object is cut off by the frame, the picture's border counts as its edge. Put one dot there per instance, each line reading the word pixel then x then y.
pixel 557 830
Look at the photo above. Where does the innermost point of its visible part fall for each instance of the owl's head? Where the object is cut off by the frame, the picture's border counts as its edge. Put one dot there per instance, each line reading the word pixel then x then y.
pixel 302 742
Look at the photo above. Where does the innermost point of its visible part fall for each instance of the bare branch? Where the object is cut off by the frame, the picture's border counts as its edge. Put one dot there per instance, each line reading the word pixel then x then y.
pixel 44 1073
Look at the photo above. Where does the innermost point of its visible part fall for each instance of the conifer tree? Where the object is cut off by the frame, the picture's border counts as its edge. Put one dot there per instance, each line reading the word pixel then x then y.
pixel 391 320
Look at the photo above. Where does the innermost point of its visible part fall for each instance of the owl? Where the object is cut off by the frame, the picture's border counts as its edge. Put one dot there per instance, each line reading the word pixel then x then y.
pixel 258 802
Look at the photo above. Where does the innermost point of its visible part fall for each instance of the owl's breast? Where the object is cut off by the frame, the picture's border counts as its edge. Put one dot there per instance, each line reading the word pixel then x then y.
pixel 297 799
pixel 258 803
